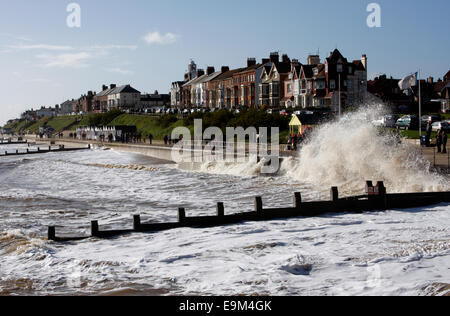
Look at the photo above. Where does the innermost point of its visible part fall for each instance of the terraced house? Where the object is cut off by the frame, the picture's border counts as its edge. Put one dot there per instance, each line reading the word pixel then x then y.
pixel 272 81
pixel 244 85
pixel 276 83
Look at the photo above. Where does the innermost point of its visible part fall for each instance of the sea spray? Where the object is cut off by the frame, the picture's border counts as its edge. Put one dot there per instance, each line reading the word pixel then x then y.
pixel 349 151
pixel 246 169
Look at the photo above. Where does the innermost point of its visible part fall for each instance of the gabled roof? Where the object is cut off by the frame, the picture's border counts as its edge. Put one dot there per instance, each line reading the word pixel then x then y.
pixel 123 89
pixel 308 70
pixel 104 92
pixel 283 67
pixel 321 68
pixel 297 70
pixel 447 76
pixel 335 56
pixel 198 79
pixel 254 67
pixel 212 76
pixel 227 74
pixel 358 65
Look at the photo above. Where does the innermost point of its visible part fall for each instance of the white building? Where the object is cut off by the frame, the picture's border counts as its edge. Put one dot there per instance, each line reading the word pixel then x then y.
pixel 124 97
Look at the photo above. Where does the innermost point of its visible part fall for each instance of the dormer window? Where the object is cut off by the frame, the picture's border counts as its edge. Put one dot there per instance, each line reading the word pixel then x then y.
pixel 350 70
pixel 339 68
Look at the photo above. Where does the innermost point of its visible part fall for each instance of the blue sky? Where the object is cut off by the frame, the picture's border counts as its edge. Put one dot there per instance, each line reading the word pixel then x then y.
pixel 149 43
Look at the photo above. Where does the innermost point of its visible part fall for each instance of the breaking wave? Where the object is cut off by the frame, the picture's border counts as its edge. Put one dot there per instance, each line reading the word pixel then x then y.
pixel 348 152
pixel 245 169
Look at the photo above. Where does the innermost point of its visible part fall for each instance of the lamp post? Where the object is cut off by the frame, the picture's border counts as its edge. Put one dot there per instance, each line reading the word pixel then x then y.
pixel 339 71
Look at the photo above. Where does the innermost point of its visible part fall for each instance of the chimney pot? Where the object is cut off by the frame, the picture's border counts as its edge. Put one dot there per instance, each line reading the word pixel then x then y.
pixel 210 71
pixel 200 72
pixel 274 57
pixel 251 62
pixel 225 69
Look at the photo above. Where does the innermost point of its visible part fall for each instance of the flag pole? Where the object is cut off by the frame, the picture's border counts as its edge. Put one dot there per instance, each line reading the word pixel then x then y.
pixel 420 107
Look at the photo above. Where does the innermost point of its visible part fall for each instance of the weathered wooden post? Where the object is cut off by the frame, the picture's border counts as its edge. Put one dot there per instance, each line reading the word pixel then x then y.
pixel 49 148
pixel 17 151
pixel 258 205
pixel 369 188
pixel 137 223
pixel 297 200
pixel 382 195
pixel 28 150
pixel 334 194
pixel 94 229
pixel 181 215
pixel 52 233
pixel 39 149
pixel 220 209
pixel 89 146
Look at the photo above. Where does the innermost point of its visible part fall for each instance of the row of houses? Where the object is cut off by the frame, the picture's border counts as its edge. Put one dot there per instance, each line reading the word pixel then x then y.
pixel 275 83
pixel 435 94
pixel 111 97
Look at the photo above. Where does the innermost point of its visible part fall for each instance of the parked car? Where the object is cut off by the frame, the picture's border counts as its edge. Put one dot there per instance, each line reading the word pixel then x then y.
pixel 440 126
pixel 429 118
pixel 387 121
pixel 408 122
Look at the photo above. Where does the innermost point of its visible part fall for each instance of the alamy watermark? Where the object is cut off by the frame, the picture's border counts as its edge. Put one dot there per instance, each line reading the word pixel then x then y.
pixel 374 18
pixel 240 146
pixel 74 18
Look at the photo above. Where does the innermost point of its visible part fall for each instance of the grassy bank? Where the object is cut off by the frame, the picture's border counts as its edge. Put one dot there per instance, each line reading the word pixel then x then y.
pixel 158 126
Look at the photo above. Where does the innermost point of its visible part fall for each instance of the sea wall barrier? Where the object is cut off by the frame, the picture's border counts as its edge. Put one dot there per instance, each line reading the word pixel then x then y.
pixel 40 150
pixel 156 150
pixel 375 199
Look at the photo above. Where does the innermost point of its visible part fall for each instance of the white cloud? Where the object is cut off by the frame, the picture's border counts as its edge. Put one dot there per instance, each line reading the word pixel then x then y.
pixel 39 46
pixel 161 39
pixel 108 47
pixel 76 60
pixel 15 37
pixel 120 71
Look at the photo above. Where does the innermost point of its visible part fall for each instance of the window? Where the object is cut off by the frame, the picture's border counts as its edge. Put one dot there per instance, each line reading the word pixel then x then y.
pixel 289 88
pixel 316 71
pixel 332 84
pixel 339 68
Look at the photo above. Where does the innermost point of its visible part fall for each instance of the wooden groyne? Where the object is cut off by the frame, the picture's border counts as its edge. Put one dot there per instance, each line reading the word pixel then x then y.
pixel 375 199
pixel 41 150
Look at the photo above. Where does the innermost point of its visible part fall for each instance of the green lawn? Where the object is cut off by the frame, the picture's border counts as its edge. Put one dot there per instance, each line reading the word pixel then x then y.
pixel 158 126
pixel 149 124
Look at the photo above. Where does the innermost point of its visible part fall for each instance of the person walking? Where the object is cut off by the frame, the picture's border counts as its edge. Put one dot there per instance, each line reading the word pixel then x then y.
pixel 166 139
pixel 150 138
pixel 428 136
pixel 444 142
pixel 439 141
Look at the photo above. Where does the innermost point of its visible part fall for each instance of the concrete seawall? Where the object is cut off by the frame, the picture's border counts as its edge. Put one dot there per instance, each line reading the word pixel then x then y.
pixel 157 150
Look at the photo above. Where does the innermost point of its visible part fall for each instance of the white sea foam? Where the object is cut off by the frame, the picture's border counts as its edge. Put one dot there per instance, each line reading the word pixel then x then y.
pixel 384 253
pixel 347 152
